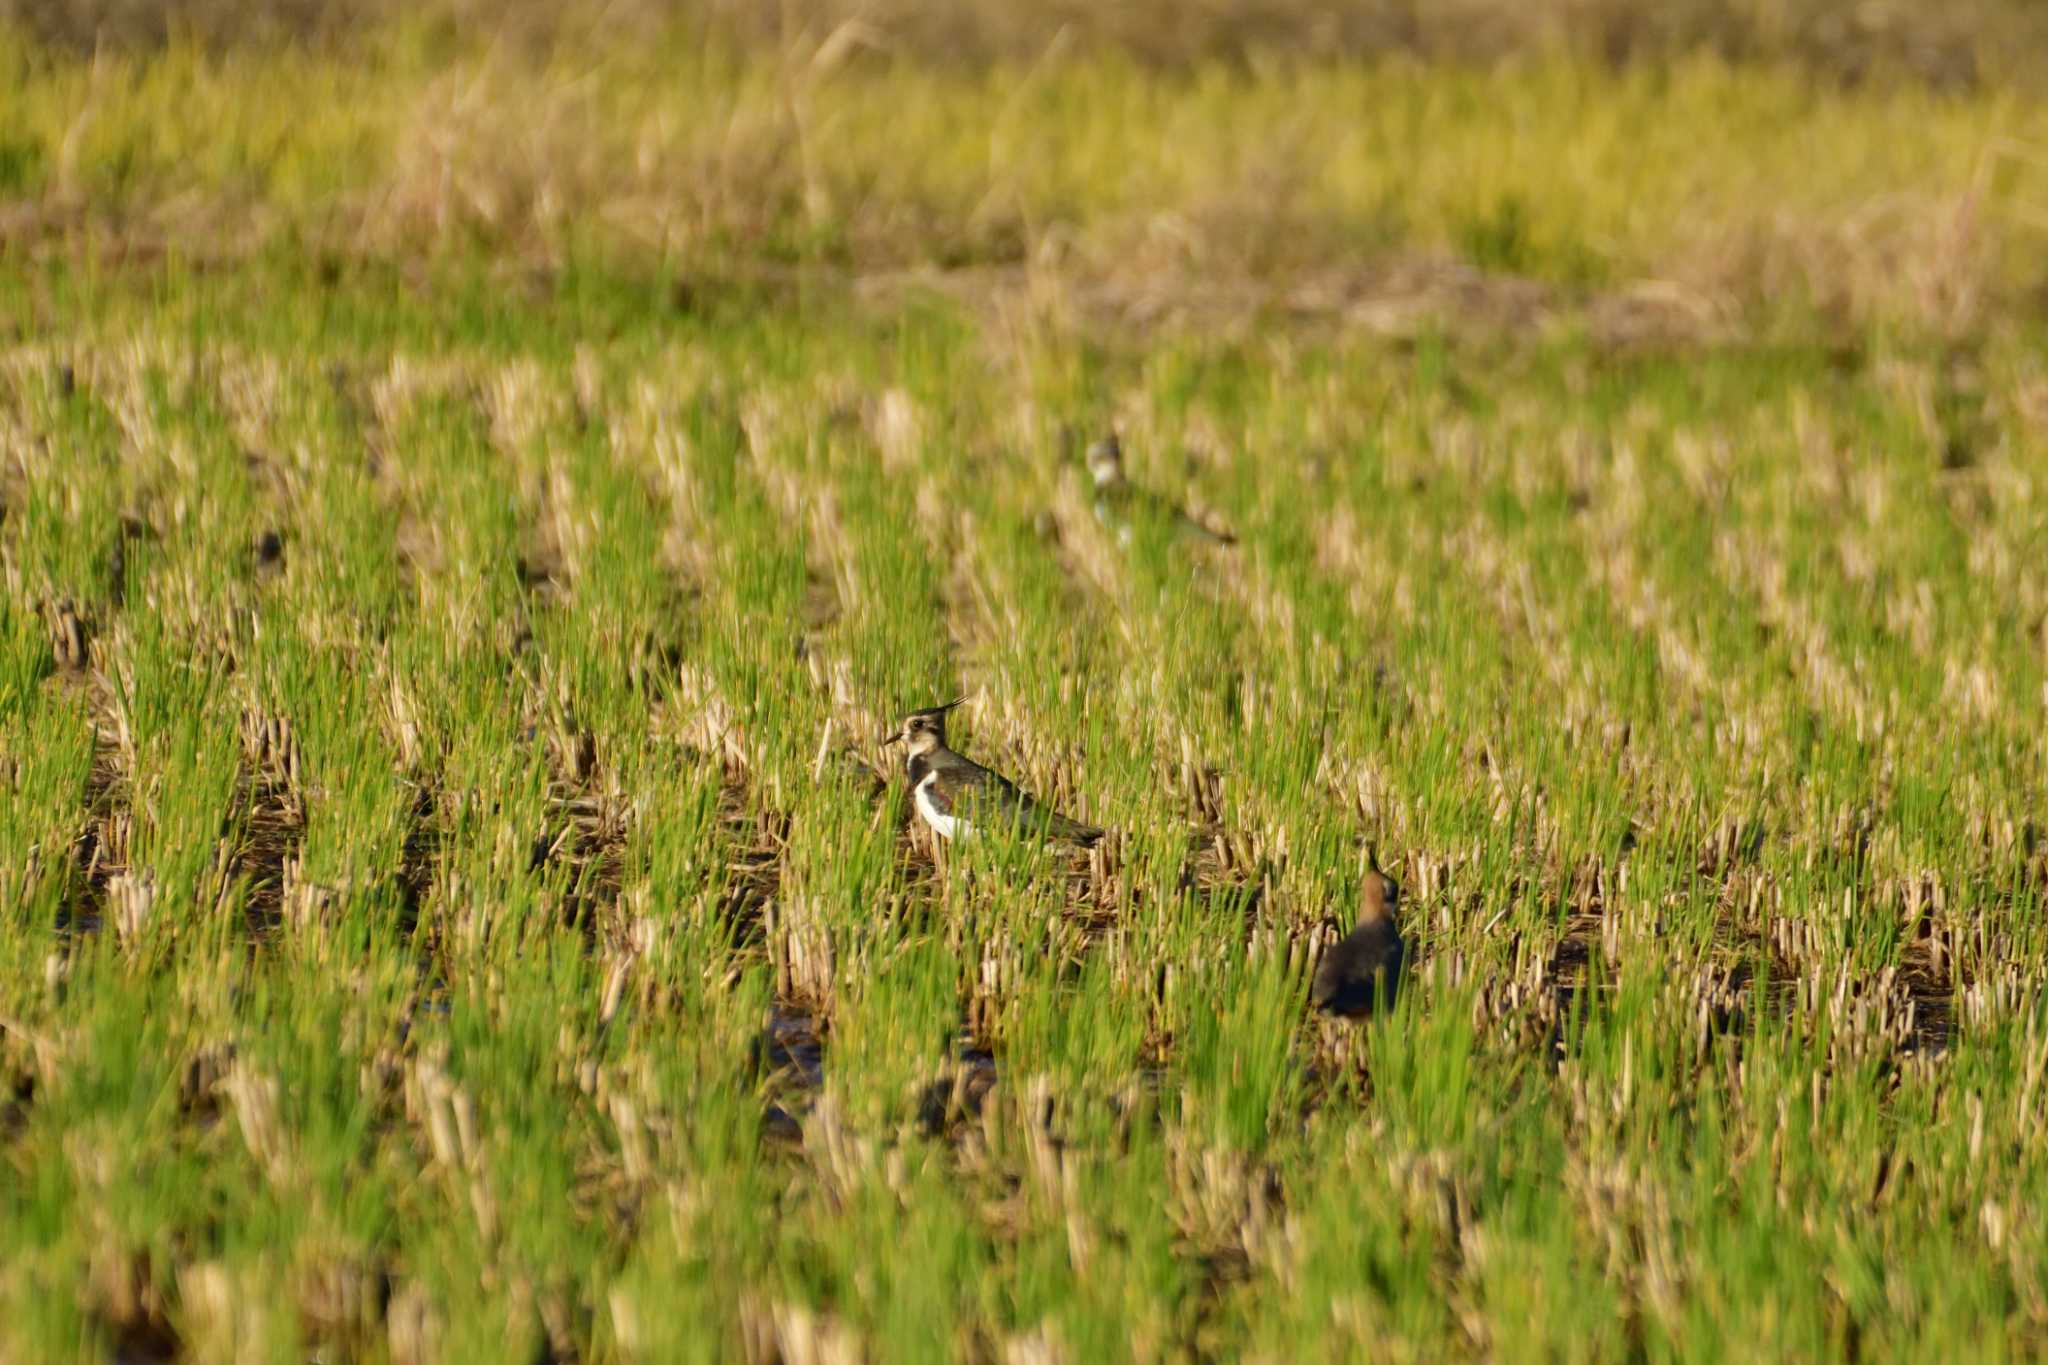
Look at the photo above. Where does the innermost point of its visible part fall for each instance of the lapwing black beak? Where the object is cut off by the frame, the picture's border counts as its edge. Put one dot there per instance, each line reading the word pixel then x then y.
pixel 896 738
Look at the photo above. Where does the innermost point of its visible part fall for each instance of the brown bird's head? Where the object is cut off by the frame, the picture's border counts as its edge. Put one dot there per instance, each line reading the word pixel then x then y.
pixel 1379 896
pixel 924 731
pixel 1106 461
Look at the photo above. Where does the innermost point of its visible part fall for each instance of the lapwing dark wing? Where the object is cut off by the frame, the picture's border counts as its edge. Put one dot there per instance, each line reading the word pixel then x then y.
pixel 1120 504
pixel 957 796
pixel 1361 975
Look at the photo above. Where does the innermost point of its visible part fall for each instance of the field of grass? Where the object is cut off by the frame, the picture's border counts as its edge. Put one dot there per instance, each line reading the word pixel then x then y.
pixel 454 901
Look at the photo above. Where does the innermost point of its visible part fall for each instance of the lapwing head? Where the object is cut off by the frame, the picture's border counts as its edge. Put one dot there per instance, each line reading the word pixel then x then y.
pixel 1106 461
pixel 1379 896
pixel 924 731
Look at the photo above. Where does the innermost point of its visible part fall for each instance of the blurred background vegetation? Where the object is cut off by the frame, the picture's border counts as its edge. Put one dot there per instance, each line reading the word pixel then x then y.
pixel 1688 169
pixel 1961 45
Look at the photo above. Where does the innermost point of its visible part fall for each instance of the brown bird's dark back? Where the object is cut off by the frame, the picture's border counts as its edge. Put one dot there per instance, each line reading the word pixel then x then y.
pixel 1361 974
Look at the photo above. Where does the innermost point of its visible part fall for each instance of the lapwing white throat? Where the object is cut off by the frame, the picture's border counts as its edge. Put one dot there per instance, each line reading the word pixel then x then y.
pixel 958 797
pixel 1361 974
pixel 1119 503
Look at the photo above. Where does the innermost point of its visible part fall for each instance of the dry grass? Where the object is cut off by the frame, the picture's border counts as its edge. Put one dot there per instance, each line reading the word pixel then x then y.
pixel 1964 45
pixel 1645 204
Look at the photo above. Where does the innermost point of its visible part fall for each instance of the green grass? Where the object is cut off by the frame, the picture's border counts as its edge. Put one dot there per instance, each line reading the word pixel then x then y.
pixel 412 943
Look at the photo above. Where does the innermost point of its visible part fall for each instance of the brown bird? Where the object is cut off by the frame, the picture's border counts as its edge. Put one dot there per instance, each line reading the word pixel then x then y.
pixel 1361 974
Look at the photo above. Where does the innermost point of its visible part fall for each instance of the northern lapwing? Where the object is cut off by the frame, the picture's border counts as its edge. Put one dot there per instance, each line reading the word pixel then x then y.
pixel 1361 974
pixel 1121 504
pixel 958 797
